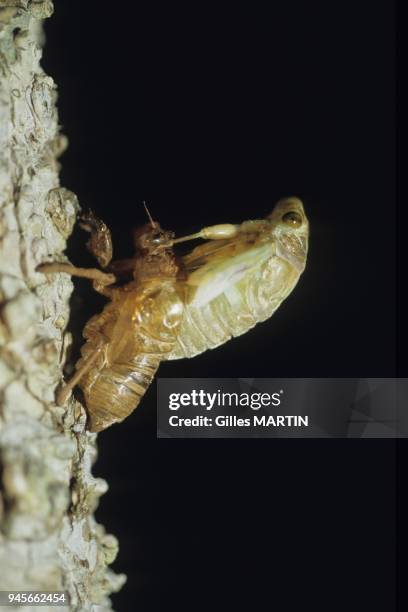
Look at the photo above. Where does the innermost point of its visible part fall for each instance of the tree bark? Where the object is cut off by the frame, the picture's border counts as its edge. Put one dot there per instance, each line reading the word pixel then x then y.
pixel 49 539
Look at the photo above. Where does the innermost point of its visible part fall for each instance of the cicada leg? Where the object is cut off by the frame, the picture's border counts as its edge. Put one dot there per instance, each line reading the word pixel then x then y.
pixel 123 267
pixel 213 232
pixel 224 231
pixel 100 279
pixel 66 390
pixel 100 242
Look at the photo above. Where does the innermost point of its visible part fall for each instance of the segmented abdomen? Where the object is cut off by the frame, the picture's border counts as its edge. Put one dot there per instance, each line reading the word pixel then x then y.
pixel 241 306
pixel 132 335
pixel 119 390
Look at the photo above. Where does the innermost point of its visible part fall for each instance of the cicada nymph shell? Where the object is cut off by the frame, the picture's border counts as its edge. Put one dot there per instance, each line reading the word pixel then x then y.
pixel 133 333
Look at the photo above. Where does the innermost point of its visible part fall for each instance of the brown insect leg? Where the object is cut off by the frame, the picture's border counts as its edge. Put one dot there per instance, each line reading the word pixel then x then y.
pixel 100 242
pixel 66 390
pixel 92 273
pixel 103 289
pixel 122 267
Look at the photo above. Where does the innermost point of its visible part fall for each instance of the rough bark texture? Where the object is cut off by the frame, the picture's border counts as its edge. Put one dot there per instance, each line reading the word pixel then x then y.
pixel 49 539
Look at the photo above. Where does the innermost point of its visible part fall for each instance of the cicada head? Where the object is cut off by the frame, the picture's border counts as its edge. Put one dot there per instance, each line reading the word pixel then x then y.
pixel 152 238
pixel 290 230
pixel 154 256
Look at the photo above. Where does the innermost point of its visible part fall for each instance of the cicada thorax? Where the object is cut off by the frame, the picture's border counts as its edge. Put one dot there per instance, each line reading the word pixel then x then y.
pixel 133 334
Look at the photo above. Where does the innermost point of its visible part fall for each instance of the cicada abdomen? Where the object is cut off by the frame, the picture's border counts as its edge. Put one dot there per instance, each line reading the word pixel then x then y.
pixel 133 334
pixel 234 284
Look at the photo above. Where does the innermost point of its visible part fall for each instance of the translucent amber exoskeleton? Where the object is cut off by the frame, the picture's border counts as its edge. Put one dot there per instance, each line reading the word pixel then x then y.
pixel 136 329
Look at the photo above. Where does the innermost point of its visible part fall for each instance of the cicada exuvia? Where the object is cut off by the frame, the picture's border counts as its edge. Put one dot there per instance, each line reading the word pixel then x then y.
pixel 179 307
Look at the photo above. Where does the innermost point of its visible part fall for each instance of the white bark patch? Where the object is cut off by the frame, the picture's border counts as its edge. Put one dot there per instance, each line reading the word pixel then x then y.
pixel 49 539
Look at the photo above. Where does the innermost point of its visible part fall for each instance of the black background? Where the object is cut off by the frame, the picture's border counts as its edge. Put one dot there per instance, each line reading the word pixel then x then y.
pixel 211 114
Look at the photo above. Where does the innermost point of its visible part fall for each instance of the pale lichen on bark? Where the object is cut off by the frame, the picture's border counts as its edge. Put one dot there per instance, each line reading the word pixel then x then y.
pixel 49 539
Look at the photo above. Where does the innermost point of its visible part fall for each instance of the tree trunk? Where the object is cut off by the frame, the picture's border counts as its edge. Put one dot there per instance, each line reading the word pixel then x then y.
pixel 49 539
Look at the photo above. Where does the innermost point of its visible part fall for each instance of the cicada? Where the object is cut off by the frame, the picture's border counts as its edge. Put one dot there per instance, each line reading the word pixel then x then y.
pixel 177 307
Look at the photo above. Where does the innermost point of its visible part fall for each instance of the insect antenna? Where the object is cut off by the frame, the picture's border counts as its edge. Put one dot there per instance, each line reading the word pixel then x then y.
pixel 153 224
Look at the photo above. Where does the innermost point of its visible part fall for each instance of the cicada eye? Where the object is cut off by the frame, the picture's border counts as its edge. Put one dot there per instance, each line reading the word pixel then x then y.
pixel 293 219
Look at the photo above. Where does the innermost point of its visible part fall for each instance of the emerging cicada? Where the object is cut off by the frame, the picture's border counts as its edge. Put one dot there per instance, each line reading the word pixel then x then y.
pixel 178 307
